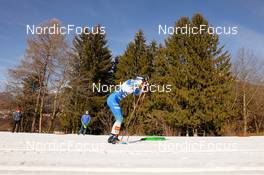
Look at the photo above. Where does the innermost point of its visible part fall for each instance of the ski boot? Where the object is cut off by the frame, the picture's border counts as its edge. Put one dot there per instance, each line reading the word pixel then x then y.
pixel 113 139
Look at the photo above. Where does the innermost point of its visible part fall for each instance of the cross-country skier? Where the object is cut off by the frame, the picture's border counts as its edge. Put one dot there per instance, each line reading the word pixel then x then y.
pixel 134 86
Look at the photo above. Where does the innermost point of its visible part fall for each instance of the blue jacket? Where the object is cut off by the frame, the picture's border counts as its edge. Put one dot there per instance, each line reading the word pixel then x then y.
pixel 17 116
pixel 85 119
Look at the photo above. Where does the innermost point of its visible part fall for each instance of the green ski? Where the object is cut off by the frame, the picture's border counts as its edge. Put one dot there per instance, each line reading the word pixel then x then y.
pixel 151 138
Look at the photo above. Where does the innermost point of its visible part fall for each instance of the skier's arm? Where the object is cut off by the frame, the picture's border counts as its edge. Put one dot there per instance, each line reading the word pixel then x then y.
pixel 141 89
pixel 82 120
pixel 89 119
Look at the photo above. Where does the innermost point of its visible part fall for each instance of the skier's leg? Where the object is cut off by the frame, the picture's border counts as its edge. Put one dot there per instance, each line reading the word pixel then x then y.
pixel 116 110
pixel 117 125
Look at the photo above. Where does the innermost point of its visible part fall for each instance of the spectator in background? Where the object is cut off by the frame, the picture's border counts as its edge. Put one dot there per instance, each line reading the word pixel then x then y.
pixel 85 120
pixel 17 116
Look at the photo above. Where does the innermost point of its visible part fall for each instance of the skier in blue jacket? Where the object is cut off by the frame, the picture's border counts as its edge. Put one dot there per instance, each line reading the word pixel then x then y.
pixel 134 86
pixel 86 118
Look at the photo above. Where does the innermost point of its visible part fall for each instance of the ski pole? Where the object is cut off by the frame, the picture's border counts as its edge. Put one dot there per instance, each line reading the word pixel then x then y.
pixel 129 118
pixel 136 111
pixel 138 105
pixel 132 114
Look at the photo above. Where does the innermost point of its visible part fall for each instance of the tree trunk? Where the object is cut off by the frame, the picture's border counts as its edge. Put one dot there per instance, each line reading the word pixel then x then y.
pixel 41 112
pixel 35 111
pixel 256 124
pixel 195 132
pixel 53 116
pixel 21 125
pixel 244 113
pixel 44 92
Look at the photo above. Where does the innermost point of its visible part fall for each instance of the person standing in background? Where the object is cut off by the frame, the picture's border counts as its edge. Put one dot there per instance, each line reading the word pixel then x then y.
pixel 85 120
pixel 17 116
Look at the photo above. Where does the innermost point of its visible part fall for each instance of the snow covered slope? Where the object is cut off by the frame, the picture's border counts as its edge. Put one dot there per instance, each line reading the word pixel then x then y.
pixel 25 153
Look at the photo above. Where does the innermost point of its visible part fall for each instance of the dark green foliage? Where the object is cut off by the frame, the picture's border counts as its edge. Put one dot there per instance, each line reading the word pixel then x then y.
pixel 136 61
pixel 91 64
pixel 200 71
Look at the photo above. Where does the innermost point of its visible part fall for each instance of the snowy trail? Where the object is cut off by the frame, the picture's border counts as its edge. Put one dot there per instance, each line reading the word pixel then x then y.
pixel 26 153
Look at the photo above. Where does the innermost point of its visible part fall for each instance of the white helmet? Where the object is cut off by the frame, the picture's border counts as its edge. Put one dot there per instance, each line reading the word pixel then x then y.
pixel 139 80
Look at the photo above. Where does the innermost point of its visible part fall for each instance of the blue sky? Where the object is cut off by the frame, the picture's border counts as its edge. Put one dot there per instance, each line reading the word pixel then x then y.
pixel 122 18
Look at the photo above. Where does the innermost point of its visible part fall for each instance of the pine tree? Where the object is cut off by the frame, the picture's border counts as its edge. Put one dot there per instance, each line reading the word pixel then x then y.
pixel 92 63
pixel 136 61
pixel 160 111
pixel 131 63
pixel 201 71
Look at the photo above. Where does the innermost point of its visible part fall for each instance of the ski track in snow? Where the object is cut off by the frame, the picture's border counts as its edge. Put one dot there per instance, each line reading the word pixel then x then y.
pixel 26 153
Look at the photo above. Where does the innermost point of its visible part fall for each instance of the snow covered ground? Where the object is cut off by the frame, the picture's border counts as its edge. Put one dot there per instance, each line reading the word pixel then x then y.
pixel 25 153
